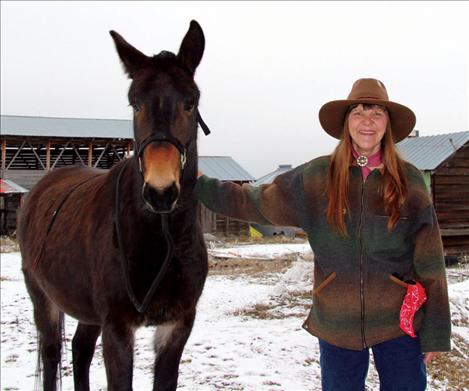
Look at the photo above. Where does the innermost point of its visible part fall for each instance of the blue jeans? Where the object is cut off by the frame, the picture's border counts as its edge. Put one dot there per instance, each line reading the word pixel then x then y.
pixel 399 363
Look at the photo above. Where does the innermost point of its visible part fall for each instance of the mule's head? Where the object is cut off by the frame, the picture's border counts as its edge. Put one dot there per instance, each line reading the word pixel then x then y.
pixel 164 98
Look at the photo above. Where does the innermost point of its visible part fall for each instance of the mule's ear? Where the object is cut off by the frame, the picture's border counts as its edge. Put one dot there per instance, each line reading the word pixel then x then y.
pixel 192 47
pixel 132 59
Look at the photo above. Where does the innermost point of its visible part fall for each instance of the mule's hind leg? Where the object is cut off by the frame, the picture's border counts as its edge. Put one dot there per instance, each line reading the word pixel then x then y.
pixel 83 345
pixel 170 340
pixel 47 319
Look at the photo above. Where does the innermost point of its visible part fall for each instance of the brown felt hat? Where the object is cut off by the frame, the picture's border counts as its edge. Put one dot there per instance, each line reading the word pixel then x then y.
pixel 371 91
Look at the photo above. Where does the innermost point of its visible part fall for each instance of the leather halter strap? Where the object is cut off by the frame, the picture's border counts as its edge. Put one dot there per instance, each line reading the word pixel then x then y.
pixel 161 137
pixel 169 138
pixel 202 124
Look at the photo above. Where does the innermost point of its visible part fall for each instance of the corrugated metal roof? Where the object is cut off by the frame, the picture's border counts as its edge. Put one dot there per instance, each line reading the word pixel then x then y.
pixel 12 125
pixel 427 153
pixel 269 178
pixel 7 186
pixel 223 168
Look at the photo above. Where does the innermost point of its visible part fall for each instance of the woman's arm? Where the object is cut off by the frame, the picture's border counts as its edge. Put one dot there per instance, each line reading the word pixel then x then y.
pixel 278 203
pixel 429 265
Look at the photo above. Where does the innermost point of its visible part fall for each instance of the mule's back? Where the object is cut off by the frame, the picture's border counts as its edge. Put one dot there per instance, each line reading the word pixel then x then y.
pixel 44 204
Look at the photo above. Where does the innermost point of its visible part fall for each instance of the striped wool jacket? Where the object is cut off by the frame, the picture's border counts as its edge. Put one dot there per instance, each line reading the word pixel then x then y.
pixel 355 302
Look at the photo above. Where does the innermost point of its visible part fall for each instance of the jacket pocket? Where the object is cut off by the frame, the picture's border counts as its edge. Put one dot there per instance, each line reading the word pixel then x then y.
pixel 325 283
pixel 398 281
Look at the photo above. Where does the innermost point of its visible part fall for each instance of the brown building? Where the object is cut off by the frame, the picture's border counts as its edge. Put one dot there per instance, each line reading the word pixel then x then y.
pixel 444 161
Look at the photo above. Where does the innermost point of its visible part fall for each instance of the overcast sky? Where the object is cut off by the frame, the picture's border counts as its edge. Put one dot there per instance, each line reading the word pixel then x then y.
pixel 268 67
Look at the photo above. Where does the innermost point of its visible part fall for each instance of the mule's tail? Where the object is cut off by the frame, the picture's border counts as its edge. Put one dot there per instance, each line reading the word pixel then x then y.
pixel 39 366
pixel 38 373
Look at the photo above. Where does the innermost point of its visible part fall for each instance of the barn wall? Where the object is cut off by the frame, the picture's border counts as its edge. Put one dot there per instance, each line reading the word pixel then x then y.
pixel 450 183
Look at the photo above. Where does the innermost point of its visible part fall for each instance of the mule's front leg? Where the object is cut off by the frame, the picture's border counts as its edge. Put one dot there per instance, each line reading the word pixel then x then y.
pixel 118 352
pixel 170 340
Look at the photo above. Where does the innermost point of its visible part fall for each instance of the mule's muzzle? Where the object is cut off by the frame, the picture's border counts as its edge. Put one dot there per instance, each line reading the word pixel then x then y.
pixel 160 200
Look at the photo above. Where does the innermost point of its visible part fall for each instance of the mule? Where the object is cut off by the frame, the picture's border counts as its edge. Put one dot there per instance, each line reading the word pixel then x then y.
pixel 122 249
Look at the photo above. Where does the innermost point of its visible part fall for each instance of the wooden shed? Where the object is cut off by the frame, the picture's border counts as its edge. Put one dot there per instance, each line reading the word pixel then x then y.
pixel 444 161
pixel 223 168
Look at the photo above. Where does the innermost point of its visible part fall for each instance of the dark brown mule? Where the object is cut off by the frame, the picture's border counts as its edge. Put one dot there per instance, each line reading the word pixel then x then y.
pixel 85 266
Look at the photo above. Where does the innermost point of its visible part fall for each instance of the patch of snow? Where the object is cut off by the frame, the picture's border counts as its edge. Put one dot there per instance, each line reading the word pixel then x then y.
pixel 226 350
pixel 261 251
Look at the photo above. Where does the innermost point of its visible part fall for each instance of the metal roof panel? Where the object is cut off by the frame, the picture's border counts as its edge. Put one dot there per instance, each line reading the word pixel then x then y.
pixel 223 168
pixel 428 152
pixel 7 186
pixel 269 178
pixel 12 125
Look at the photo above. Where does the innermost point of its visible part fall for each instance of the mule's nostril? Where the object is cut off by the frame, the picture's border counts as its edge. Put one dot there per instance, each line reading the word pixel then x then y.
pixel 161 200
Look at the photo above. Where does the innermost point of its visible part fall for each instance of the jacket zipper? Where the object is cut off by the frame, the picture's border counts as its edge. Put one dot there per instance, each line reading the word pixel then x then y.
pixel 362 298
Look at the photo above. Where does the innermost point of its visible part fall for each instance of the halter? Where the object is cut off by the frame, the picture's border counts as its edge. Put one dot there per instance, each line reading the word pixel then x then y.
pixel 169 138
pixel 161 137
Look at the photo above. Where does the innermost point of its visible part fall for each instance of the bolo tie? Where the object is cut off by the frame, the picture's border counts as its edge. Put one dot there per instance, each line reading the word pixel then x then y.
pixel 362 161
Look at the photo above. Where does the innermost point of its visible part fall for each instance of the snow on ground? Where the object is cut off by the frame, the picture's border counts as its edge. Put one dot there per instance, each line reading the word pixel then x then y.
pixel 227 350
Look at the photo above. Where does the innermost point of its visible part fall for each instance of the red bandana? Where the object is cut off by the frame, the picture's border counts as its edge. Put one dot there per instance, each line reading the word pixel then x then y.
pixel 413 300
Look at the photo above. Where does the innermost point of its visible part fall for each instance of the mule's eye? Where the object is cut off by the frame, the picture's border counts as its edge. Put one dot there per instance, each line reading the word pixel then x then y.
pixel 189 107
pixel 135 107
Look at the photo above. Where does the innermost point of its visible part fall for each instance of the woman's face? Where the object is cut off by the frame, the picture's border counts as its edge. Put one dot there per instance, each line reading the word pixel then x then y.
pixel 367 125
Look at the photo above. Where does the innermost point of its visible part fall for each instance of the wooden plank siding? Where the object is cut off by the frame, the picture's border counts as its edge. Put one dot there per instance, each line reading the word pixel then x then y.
pixel 450 190
pixel 8 213
pixel 219 224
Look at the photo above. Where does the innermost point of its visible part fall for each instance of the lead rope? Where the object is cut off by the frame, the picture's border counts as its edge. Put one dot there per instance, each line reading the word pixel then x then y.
pixel 140 306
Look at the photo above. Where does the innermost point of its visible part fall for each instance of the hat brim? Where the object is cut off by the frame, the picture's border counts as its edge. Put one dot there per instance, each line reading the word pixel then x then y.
pixel 332 117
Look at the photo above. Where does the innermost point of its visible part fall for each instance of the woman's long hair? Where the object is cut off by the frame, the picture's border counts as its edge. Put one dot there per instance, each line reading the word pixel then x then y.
pixel 394 187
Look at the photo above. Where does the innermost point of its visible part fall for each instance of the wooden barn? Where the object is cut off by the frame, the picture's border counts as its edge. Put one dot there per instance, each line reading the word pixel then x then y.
pixel 444 161
pixel 32 146
pixel 223 168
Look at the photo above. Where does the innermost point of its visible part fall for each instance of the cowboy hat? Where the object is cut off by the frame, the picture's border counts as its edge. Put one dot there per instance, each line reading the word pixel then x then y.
pixel 367 91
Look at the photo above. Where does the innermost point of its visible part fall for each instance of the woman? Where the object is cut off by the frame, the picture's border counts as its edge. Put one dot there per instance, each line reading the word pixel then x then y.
pixel 373 229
